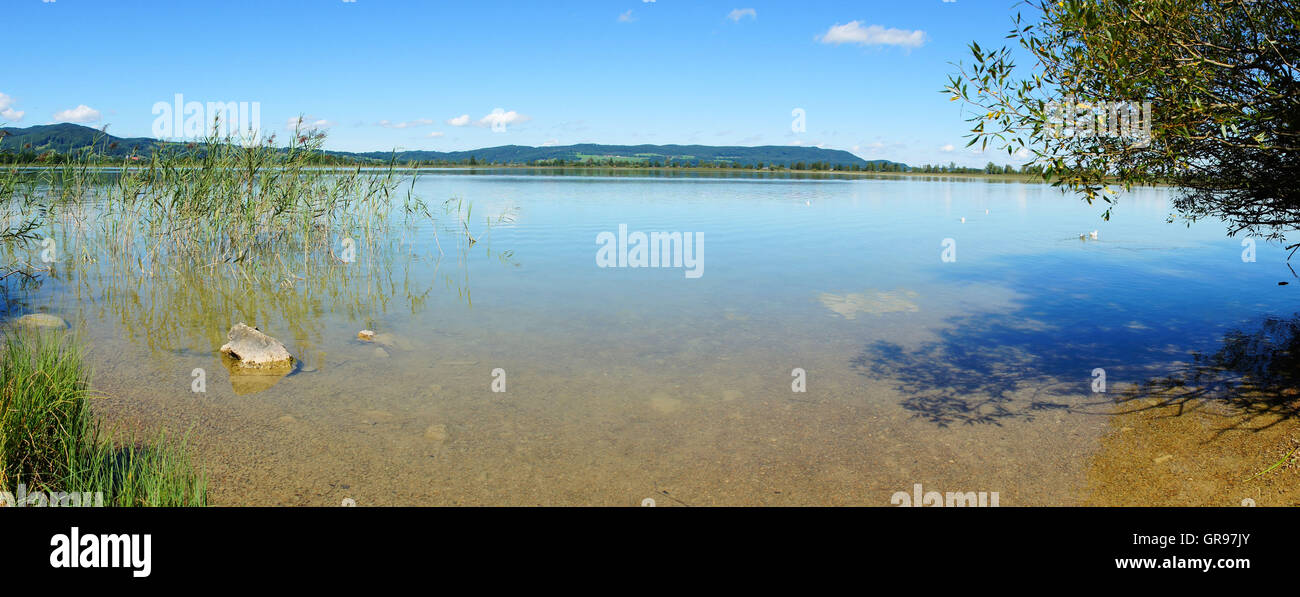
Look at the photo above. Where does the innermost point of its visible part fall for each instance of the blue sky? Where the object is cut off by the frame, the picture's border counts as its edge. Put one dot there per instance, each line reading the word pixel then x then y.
pixel 385 74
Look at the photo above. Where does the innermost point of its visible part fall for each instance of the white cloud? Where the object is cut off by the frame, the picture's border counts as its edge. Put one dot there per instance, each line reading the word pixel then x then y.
pixel 407 124
pixel 554 142
pixel 500 118
pixel 461 120
pixel 740 13
pixel 6 109
pixel 307 123
pixel 948 148
pixel 81 113
pixel 873 35
pixel 436 134
pixel 626 17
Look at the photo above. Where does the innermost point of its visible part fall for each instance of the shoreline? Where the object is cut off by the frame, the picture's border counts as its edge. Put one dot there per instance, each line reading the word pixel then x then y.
pixel 1204 453
pixel 609 170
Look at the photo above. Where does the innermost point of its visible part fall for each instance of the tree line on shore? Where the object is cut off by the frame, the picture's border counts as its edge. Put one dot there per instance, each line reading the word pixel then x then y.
pixel 28 157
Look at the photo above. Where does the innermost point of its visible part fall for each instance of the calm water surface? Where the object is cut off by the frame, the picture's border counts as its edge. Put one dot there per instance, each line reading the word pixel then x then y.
pixel 623 384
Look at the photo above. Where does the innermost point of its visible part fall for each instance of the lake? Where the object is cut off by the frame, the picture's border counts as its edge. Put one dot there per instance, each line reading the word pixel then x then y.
pixel 837 340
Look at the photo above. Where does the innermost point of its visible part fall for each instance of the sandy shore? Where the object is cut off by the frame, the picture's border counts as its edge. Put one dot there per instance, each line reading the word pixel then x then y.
pixel 1201 455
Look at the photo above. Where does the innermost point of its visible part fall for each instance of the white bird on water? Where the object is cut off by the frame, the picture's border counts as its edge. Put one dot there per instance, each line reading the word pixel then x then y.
pixel 1093 234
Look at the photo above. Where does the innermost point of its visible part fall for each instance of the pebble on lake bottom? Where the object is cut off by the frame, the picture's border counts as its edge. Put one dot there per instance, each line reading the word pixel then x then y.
pixel 665 404
pixel 436 432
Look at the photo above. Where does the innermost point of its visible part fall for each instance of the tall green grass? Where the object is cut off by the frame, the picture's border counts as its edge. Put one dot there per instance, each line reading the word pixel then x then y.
pixel 45 416
pixel 132 473
pixel 224 199
pixel 221 199
pixel 51 442
pixel 271 211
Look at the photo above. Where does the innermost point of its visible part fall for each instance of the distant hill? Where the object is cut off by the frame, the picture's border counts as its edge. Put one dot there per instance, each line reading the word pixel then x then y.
pixel 67 138
pixel 783 155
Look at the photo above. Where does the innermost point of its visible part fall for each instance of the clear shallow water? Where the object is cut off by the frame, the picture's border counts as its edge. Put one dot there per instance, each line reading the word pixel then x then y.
pixel 626 383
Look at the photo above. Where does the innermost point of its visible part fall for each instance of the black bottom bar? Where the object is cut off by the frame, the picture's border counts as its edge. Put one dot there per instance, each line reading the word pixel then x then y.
pixel 437 548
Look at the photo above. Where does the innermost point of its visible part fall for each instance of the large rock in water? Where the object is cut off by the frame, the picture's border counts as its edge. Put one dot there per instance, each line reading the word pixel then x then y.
pixel 43 321
pixel 255 350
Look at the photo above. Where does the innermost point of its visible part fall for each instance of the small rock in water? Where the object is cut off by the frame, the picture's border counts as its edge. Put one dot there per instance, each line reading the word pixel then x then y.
pixel 372 417
pixel 436 432
pixel 366 335
pixel 380 353
pixel 664 404
pixel 41 321
pixel 729 395
pixel 256 350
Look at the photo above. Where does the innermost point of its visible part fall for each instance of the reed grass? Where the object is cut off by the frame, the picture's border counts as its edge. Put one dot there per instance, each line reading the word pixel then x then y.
pixel 51 442
pixel 222 199
pixel 141 473
pixel 45 417
pixel 178 242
